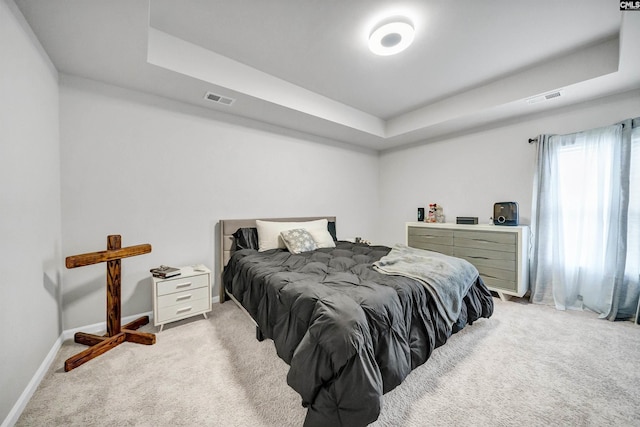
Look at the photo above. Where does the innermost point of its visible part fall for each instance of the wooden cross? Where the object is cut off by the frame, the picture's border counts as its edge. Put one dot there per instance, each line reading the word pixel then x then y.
pixel 115 335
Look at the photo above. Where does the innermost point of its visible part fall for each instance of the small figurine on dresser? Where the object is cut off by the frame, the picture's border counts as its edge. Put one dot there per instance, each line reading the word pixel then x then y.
pixel 431 214
pixel 435 214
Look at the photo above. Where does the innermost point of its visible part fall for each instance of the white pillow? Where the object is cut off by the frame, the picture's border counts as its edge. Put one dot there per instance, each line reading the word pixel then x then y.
pixel 269 233
pixel 323 238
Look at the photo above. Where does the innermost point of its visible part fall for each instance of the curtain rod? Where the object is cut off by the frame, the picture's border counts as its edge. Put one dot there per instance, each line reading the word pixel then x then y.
pixel 532 140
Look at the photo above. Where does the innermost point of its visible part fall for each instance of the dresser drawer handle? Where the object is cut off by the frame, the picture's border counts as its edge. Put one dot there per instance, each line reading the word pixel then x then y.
pixel 183 285
pixel 183 310
pixel 183 297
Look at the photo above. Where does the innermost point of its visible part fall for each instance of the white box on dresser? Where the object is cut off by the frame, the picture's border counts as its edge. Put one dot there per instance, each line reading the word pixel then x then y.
pixel 182 296
pixel 500 253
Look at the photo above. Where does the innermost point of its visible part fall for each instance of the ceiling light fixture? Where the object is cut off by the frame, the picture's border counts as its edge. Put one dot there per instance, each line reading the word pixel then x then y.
pixel 391 36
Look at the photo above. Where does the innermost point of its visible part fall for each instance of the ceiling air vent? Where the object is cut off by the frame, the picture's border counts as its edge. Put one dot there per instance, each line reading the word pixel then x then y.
pixel 213 97
pixel 545 97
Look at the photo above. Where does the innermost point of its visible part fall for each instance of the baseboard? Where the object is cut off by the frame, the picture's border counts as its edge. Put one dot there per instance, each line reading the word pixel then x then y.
pixel 24 398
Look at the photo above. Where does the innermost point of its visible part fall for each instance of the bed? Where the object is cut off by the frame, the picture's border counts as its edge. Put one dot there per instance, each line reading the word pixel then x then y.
pixel 349 326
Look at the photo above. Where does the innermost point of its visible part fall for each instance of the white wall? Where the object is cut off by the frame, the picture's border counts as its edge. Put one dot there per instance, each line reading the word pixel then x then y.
pixel 85 160
pixel 467 174
pixel 30 267
pixel 164 173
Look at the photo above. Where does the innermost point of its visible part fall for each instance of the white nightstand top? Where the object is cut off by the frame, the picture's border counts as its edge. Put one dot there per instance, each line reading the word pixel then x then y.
pixel 194 269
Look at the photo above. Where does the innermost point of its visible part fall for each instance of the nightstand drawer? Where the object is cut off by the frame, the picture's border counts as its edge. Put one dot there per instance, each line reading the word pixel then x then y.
pixel 182 310
pixel 182 297
pixel 180 284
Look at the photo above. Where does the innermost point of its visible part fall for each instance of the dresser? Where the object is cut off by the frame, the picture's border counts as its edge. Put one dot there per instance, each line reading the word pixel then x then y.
pixel 500 253
pixel 182 296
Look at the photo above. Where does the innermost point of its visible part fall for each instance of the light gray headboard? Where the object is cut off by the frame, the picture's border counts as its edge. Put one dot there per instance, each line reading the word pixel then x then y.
pixel 230 226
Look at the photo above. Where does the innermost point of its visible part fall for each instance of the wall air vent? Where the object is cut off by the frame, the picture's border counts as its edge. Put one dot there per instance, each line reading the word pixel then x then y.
pixel 213 97
pixel 545 97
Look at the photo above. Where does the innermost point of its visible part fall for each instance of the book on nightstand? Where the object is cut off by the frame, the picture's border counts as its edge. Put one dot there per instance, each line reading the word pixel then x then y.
pixel 164 272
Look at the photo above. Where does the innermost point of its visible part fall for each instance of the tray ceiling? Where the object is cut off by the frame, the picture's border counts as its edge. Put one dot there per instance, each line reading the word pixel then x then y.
pixel 305 65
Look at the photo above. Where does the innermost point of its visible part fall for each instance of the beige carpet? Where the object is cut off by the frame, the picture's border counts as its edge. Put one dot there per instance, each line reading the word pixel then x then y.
pixel 527 365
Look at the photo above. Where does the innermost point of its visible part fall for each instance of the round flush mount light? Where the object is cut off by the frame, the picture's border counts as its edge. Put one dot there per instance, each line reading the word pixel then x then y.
pixel 391 36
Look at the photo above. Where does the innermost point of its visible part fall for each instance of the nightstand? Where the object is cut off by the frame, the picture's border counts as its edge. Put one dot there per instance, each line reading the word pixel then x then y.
pixel 182 296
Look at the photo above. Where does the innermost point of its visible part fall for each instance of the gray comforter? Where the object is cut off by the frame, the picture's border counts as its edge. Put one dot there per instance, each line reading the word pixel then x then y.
pixel 348 332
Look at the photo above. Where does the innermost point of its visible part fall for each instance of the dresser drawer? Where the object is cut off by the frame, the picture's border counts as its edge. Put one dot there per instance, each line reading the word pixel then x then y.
pixel 431 246
pixel 180 284
pixel 500 285
pixel 431 232
pixel 182 310
pixel 492 241
pixel 487 258
pixel 182 297
pixel 431 239
pixel 484 236
pixel 497 273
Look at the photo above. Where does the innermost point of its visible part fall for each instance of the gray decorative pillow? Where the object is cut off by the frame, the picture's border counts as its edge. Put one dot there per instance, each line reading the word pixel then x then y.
pixel 298 240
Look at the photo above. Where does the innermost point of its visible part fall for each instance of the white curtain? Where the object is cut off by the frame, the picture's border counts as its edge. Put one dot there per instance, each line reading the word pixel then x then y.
pixel 586 221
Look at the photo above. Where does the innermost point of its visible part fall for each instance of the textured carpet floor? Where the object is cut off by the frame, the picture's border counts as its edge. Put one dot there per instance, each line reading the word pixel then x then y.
pixel 527 365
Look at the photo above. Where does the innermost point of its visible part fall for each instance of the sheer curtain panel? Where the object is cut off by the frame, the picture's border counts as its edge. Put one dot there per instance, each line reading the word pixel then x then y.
pixel 586 221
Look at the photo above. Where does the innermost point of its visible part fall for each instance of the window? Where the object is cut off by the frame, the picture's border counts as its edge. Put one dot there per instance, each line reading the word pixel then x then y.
pixel 587 221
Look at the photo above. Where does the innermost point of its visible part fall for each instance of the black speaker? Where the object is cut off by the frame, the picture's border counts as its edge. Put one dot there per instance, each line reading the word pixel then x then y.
pixel 420 214
pixel 466 220
pixel 505 213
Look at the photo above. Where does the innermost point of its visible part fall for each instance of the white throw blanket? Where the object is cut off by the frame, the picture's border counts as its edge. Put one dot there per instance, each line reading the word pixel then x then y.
pixel 447 278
